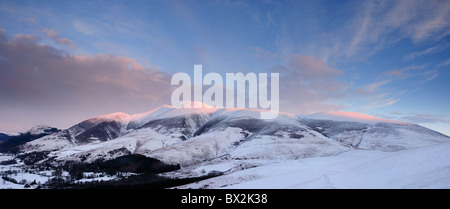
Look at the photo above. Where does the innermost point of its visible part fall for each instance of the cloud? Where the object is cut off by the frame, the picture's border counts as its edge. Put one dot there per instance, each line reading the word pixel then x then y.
pixel 429 75
pixel 377 95
pixel 262 53
pixel 433 23
pixel 425 118
pixel 405 72
pixel 83 28
pixel 52 34
pixel 30 21
pixel 443 63
pixel 42 84
pixel 372 88
pixel 418 72
pixel 382 102
pixel 396 73
pixel 434 49
pixel 419 117
pixel 308 85
pixel 380 23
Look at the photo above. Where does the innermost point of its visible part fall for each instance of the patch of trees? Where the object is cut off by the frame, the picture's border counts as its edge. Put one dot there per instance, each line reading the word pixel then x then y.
pixel 33 157
pixel 134 163
pixel 146 168
pixel 145 181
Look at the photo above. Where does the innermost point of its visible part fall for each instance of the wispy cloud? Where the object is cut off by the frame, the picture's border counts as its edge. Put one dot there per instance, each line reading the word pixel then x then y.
pixel 429 75
pixel 380 23
pixel 405 72
pixel 443 63
pixel 30 21
pixel 262 53
pixel 419 117
pixel 54 35
pixel 83 28
pixel 383 102
pixel 372 88
pixel 434 49
pixel 377 95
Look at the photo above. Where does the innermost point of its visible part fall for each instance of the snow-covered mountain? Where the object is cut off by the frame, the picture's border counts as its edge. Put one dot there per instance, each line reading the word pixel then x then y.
pixel 367 132
pixel 14 143
pixel 41 129
pixel 4 136
pixel 190 135
pixel 226 140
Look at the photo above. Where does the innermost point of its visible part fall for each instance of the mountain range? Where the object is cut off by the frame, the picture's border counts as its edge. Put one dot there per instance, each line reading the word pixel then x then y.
pixel 227 141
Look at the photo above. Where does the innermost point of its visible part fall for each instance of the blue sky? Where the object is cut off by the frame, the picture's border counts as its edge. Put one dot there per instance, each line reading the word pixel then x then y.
pixel 385 58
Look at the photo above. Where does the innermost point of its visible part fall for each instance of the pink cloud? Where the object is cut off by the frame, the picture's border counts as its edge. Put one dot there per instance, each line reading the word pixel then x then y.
pixel 52 34
pixel 262 53
pixel 41 84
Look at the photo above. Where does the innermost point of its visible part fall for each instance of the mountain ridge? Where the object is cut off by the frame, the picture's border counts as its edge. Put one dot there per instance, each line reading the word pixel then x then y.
pixel 218 141
pixel 163 132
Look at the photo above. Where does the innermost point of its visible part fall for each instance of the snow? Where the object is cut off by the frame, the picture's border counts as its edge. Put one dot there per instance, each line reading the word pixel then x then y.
pixel 425 167
pixel 30 177
pixel 220 167
pixel 140 119
pixel 205 109
pixel 46 143
pixel 10 185
pixel 18 174
pixel 282 147
pixel 323 150
pixel 92 176
pixel 38 129
pixel 198 149
pixel 118 117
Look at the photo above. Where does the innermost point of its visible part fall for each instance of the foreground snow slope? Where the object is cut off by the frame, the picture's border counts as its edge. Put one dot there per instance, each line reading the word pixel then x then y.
pixel 426 167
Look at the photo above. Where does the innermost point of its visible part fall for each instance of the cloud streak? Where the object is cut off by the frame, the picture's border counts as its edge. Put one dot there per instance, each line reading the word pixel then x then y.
pixel 378 24
pixel 419 117
pixel 52 34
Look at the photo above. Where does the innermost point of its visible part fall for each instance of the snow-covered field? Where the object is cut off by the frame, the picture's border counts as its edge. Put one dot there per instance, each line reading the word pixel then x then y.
pixel 426 167
pixel 19 176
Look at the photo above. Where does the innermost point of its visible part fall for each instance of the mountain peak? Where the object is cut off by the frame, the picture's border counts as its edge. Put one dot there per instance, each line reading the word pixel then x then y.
pixel 195 104
pixel 39 129
pixel 118 116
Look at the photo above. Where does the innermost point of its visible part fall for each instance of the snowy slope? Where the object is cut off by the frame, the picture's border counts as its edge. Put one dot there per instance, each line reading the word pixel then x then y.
pixel 362 131
pixel 426 167
pixel 41 129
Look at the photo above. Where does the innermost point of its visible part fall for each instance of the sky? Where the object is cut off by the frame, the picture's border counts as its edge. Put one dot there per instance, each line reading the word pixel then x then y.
pixel 62 62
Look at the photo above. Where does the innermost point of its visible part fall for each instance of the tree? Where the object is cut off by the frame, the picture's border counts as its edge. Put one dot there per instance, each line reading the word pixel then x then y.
pixel 57 173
